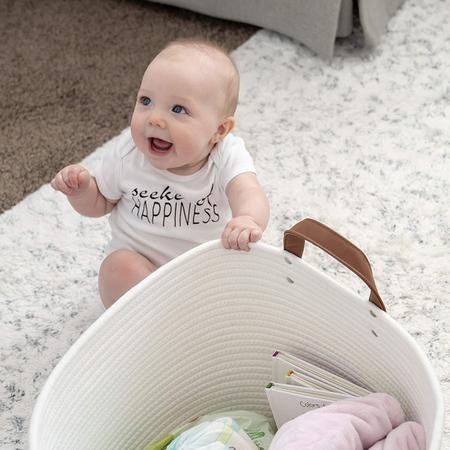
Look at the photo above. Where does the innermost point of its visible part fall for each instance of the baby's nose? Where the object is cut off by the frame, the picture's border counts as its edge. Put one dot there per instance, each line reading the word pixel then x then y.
pixel 156 120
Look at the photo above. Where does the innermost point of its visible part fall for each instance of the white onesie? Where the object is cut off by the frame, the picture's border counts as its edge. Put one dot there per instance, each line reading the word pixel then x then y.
pixel 160 214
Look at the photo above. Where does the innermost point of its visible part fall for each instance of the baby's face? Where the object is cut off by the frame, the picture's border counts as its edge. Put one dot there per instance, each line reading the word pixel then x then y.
pixel 179 107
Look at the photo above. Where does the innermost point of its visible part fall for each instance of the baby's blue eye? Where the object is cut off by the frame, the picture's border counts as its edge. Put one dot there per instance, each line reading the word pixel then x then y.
pixel 179 109
pixel 145 101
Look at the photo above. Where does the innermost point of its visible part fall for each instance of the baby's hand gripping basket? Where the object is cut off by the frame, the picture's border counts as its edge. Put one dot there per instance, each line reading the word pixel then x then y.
pixel 197 336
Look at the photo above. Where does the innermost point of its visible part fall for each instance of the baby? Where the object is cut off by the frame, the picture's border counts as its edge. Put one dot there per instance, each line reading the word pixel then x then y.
pixel 177 177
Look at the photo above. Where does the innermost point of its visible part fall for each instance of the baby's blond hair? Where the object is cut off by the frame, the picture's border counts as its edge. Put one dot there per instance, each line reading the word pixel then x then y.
pixel 210 47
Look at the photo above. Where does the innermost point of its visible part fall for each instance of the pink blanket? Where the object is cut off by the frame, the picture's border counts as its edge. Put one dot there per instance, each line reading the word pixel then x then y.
pixel 374 422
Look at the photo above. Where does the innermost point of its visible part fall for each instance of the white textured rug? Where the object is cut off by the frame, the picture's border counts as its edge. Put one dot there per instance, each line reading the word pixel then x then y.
pixel 361 143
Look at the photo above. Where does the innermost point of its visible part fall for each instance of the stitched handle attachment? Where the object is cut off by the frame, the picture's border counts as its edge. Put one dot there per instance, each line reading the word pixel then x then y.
pixel 336 246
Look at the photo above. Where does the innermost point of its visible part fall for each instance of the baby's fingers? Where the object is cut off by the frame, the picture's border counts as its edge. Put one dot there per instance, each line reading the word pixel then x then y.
pixel 226 236
pixel 255 235
pixel 233 237
pixel 243 240
pixel 71 178
pixel 58 184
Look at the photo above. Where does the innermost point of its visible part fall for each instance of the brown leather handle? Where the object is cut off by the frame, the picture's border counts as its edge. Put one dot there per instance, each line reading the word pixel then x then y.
pixel 335 245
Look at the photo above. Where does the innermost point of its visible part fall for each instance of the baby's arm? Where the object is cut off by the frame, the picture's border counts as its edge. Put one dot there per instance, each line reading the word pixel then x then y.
pixel 82 192
pixel 250 209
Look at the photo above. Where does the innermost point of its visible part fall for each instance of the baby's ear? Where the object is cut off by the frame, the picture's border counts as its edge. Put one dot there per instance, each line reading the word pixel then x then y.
pixel 224 128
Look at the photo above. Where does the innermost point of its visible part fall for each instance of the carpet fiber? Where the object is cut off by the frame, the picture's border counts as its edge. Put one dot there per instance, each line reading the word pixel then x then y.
pixel 361 144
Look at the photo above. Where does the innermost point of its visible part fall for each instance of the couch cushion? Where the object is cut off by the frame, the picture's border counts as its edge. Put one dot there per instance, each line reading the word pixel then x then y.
pixel 314 23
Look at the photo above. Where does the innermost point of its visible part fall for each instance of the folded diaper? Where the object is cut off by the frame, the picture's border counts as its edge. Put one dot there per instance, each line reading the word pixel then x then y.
pixel 260 429
pixel 220 434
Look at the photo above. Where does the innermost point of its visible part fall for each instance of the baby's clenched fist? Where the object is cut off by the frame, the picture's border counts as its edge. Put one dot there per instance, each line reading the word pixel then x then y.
pixel 239 232
pixel 72 180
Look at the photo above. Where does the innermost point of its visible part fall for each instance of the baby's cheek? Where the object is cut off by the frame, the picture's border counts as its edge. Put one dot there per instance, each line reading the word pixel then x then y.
pixel 137 136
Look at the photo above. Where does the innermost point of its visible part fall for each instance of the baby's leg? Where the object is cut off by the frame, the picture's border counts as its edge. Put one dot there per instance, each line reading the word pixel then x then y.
pixel 119 272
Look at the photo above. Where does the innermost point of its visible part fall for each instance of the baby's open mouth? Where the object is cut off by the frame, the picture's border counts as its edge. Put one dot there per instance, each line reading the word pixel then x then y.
pixel 160 145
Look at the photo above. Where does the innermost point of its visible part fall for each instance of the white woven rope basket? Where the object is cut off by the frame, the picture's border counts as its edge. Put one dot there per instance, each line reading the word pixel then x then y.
pixel 197 336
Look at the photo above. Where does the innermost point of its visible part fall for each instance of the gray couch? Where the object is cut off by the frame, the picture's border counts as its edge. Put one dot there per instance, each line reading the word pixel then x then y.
pixel 314 23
